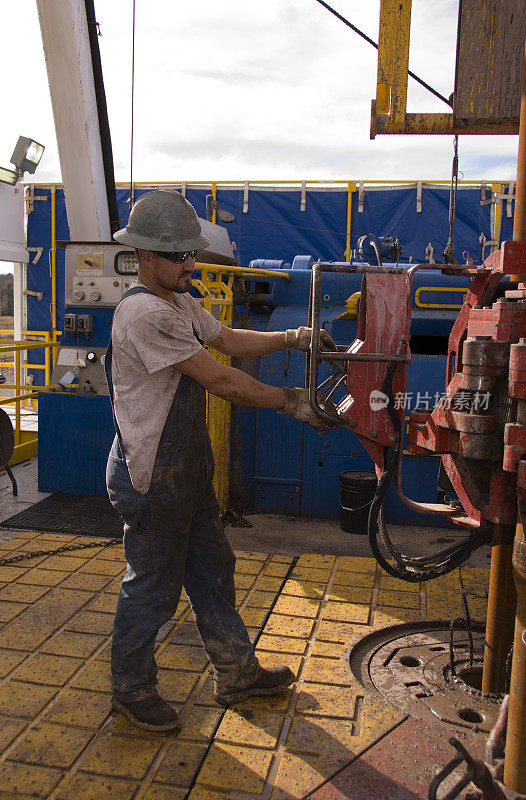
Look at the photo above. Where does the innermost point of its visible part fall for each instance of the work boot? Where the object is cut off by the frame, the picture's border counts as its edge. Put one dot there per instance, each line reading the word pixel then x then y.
pixel 151 713
pixel 270 681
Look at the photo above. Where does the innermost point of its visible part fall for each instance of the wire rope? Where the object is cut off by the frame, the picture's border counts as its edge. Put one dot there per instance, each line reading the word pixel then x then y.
pixel 374 44
pixel 132 103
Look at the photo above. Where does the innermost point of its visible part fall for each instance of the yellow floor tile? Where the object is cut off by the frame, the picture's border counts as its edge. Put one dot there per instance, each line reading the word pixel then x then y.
pixel 268 583
pixel 310 574
pixel 331 650
pixel 277 568
pixel 92 622
pixel 250 728
pixel 104 602
pixel 200 723
pixel 298 588
pixel 357 564
pixel 24 699
pixel 254 617
pixel 51 745
pixel 477 607
pixel 297 606
pixel 34 625
pixel 398 599
pixel 124 756
pixel 104 567
pixel 472 578
pixel 22 593
pixel 331 631
pixel 324 700
pixel 282 644
pixel 317 561
pixel 9 659
pixel 91 787
pixel 8 574
pixel 385 616
pixel 260 599
pixel 92 583
pixel 95 676
pixel 247 566
pixel 181 763
pixel 80 707
pixel 282 624
pixel 251 554
pixel 163 792
pixel 202 793
pixel 177 656
pixel 244 581
pixel 71 643
pixel 250 766
pixel 43 577
pixel 175 686
pixel 317 736
pixel 297 777
pixel 48 669
pixel 64 563
pixel 345 612
pixel 396 585
pixel 351 594
pixel 328 670
pixel 10 727
pixel 28 779
pixel 346 578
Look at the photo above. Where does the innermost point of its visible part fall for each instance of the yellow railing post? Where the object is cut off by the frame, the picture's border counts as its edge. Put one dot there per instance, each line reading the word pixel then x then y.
pixel 351 187
pixel 53 266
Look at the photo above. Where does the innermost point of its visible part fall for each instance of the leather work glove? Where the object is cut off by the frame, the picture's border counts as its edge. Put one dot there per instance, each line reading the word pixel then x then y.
pixel 297 404
pixel 299 339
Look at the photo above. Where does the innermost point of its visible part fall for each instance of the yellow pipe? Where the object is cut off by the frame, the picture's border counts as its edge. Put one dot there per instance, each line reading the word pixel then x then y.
pixel 241 270
pixel 53 262
pixel 214 195
pixel 17 406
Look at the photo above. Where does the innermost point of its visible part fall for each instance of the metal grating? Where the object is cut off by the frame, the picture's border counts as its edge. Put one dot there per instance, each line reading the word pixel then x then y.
pixel 78 515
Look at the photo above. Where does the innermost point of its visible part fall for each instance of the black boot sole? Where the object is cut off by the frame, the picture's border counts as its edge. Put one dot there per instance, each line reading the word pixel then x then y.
pixel 145 726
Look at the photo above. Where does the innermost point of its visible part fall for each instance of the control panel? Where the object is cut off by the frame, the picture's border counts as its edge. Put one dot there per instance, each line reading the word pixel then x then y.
pixel 80 369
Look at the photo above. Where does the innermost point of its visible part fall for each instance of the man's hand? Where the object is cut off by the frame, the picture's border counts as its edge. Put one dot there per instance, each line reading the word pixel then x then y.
pixel 297 404
pixel 299 339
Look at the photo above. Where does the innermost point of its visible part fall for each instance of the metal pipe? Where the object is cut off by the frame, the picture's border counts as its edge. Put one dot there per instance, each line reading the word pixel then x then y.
pixel 501 614
pixel 247 272
pixel 515 758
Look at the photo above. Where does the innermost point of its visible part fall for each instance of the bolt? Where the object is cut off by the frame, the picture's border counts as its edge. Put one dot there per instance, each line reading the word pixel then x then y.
pixel 374 433
pixel 351 423
pixel 325 444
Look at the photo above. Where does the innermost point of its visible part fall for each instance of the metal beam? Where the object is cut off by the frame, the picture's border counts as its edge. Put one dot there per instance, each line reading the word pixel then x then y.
pixel 65 38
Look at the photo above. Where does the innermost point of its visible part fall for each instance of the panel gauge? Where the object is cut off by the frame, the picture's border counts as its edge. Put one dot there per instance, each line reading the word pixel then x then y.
pixel 126 263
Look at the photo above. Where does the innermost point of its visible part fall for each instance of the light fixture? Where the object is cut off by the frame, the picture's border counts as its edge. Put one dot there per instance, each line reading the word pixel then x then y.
pixel 26 158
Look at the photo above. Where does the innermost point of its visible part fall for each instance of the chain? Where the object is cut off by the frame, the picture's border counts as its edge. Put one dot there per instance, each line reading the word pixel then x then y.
pixel 244 316
pixel 63 549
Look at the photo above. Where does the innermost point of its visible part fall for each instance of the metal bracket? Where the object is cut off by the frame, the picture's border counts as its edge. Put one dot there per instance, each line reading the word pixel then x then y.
pixel 418 197
pixel 38 251
pixel 245 198
pixel 183 188
pixel 361 196
pixel 509 199
pixel 477 772
pixel 31 197
pixel 303 203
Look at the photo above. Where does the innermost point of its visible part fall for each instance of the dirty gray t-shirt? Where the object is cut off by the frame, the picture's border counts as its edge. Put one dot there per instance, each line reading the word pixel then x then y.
pixel 149 336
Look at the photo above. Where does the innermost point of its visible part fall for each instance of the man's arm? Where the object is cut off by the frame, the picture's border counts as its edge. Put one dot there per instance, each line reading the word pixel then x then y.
pixel 244 342
pixel 229 383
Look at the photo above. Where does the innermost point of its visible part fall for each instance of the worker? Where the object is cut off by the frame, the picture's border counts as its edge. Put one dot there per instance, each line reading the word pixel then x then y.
pixel 160 468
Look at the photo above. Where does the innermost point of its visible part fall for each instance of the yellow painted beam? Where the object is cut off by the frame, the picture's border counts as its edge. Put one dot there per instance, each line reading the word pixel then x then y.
pixel 26 449
pixel 437 124
pixel 393 58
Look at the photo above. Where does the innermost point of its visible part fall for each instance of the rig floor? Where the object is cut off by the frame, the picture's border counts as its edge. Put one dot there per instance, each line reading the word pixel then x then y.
pixel 326 737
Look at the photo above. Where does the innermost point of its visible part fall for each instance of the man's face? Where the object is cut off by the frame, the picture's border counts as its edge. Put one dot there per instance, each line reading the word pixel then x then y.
pixel 166 274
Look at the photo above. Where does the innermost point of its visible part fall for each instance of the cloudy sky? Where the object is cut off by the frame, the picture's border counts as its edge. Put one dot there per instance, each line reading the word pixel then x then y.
pixel 244 90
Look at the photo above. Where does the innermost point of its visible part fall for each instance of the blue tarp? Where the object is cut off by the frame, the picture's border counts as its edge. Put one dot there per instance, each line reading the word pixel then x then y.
pixel 275 227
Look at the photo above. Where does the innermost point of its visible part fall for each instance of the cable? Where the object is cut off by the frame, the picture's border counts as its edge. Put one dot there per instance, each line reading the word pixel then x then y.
pixel 371 41
pixel 132 101
pixel 449 252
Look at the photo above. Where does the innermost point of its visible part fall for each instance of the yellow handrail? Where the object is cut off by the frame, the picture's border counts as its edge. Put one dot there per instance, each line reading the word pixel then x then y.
pixel 455 306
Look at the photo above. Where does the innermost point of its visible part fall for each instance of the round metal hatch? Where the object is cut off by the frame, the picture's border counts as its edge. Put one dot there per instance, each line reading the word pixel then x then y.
pixel 409 667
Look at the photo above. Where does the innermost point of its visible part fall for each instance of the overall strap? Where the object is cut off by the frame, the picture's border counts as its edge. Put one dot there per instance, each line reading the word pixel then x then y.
pixel 108 360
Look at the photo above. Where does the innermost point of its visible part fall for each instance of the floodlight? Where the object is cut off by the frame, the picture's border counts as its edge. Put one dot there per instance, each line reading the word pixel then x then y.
pixel 8 176
pixel 26 155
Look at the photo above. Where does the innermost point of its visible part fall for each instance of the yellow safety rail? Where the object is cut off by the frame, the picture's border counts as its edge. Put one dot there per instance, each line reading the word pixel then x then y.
pixel 26 441
pixel 216 289
pixel 448 289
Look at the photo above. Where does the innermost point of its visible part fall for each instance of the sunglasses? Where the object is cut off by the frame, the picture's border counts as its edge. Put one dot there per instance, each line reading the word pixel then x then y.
pixel 176 258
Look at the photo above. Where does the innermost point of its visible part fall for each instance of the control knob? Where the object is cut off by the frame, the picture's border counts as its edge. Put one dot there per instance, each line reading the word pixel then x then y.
pixel 78 295
pixel 95 296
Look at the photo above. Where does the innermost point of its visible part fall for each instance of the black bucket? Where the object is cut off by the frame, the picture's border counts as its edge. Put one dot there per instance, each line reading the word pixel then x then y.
pixel 357 491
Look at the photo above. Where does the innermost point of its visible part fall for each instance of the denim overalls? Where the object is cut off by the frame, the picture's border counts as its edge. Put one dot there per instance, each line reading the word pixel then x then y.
pixel 173 537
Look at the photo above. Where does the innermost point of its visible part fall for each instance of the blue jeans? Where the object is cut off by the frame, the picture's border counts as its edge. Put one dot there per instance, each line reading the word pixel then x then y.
pixel 173 537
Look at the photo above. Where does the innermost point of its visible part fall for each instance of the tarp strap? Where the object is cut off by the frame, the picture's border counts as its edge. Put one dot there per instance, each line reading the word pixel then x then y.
pixel 303 204
pixel 511 193
pixel 483 189
pixel 183 188
pixel 418 197
pixel 245 198
pixel 361 195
